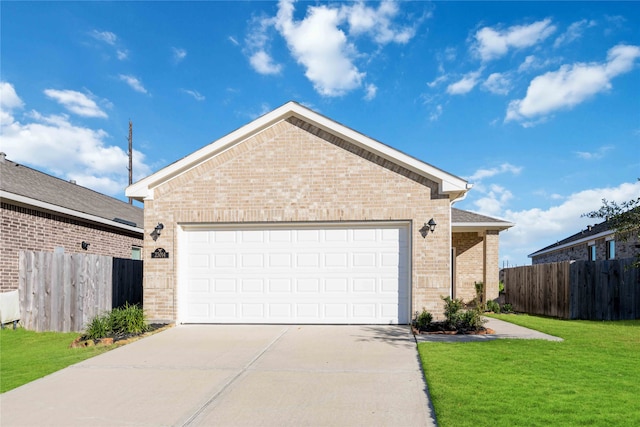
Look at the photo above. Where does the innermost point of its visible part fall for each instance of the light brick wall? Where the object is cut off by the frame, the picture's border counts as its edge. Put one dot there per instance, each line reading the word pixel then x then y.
pixel 580 252
pixel 23 228
pixel 293 172
pixel 491 265
pixel 469 263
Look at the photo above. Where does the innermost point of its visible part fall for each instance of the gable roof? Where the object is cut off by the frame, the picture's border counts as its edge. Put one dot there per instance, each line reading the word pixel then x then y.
pixel 27 186
pixel 592 232
pixel 449 184
pixel 462 221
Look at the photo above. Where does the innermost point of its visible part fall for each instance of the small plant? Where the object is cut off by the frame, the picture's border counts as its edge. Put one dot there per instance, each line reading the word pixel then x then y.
pixel 501 287
pixel 493 306
pixel 507 308
pixel 98 327
pixel 470 320
pixel 121 321
pixel 423 320
pixel 452 309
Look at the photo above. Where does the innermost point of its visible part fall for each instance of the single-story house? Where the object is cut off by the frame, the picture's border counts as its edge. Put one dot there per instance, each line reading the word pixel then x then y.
pixel 295 218
pixel 596 242
pixel 40 212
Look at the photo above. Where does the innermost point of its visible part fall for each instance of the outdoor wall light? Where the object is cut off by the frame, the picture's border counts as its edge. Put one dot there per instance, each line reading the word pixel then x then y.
pixel 85 245
pixel 157 231
pixel 428 227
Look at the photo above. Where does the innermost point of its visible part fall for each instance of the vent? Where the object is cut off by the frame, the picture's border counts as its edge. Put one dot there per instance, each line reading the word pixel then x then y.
pixel 125 222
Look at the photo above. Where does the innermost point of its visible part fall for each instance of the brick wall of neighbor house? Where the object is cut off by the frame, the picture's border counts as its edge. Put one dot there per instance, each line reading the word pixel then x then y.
pixel 469 263
pixel 580 252
pixel 23 228
pixel 293 172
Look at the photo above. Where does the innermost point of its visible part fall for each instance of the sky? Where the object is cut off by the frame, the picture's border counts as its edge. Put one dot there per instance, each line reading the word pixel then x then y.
pixel 537 104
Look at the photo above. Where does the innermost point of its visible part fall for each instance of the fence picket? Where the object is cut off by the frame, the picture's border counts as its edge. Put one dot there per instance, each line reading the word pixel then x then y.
pixel 601 290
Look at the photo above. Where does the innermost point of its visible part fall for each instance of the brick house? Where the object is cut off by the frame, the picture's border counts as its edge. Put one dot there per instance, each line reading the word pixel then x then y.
pixel 596 242
pixel 294 218
pixel 40 212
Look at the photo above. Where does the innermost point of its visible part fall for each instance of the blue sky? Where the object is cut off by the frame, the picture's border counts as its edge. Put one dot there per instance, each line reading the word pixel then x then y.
pixel 535 103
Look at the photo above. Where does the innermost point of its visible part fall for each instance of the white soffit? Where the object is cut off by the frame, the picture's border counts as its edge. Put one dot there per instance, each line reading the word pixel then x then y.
pixel 448 184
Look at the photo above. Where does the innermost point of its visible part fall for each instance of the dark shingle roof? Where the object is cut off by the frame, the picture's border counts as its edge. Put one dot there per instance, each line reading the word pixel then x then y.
pixel 27 182
pixel 460 216
pixel 591 230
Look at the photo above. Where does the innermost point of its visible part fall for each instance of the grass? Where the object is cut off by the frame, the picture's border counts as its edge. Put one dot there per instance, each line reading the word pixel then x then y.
pixel 26 356
pixel 590 379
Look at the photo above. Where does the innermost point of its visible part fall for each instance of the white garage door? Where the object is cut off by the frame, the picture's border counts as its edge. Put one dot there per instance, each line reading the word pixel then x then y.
pixel 298 274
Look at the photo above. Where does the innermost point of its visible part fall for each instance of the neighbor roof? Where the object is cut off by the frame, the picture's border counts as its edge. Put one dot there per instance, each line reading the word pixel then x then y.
pixel 590 233
pixel 28 186
pixel 471 221
pixel 449 184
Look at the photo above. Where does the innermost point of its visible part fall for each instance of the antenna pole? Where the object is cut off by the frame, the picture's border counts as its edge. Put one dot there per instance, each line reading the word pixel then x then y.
pixel 130 157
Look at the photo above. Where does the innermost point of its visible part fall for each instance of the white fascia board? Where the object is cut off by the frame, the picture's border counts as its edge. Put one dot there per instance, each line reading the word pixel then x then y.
pixel 65 211
pixel 449 184
pixel 480 226
pixel 574 243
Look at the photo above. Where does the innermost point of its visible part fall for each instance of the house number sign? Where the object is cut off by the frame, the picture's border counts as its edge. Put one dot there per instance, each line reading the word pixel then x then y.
pixel 159 253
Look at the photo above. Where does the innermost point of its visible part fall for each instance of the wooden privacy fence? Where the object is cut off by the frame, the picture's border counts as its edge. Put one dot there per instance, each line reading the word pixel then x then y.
pixel 63 292
pixel 591 290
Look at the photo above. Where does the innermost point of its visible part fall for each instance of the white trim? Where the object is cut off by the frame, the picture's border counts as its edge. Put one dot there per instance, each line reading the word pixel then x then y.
pixel 589 239
pixel 448 184
pixel 65 211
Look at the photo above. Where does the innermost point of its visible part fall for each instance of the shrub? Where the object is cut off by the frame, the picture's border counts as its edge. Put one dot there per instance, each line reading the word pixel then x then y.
pixel 501 287
pixel 507 308
pixel 470 320
pixel 126 320
pixel 98 327
pixel 493 306
pixel 452 309
pixel 423 320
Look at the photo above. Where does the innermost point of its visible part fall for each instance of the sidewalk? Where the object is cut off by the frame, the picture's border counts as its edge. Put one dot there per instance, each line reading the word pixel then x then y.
pixel 502 330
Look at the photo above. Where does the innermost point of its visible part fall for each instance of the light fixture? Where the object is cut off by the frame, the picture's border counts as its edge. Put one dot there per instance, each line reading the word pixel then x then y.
pixel 157 231
pixel 428 227
pixel 85 245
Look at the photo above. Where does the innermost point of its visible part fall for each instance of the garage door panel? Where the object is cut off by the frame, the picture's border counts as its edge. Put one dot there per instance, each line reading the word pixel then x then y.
pixel 333 274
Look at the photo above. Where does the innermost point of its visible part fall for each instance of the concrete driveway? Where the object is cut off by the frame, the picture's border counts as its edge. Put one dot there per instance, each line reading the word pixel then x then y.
pixel 236 375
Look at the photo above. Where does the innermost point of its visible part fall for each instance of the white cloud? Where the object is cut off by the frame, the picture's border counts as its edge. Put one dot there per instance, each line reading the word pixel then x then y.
pixel 262 62
pixel 498 83
pixel 600 153
pixel 492 44
pixel 537 228
pixel 318 44
pixel 133 82
pixel 9 101
pixel 105 36
pixel 574 32
pixel 122 54
pixel 54 144
pixel 323 42
pixel 195 94
pixel 571 84
pixel 438 80
pixel 233 40
pixel 76 102
pixel 481 174
pixel 492 204
pixel 435 115
pixel 371 91
pixel 465 84
pixel 178 54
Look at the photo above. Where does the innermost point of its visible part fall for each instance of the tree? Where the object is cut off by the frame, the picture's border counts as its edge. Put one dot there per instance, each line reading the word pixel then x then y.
pixel 624 218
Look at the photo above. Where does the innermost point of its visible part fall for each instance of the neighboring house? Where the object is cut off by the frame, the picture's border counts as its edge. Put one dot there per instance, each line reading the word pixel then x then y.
pixel 596 242
pixel 295 218
pixel 42 213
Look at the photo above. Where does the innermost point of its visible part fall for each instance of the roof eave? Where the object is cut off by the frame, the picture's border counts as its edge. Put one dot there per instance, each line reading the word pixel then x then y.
pixel 65 211
pixel 480 226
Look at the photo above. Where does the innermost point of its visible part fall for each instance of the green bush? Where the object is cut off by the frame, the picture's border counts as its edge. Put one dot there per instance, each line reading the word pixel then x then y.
pixel 423 320
pixel 452 309
pixel 470 320
pixel 507 308
pixel 501 287
pixel 98 327
pixel 461 320
pixel 126 320
pixel 493 306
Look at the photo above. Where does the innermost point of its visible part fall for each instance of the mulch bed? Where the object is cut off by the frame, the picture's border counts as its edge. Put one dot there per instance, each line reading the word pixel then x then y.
pixel 442 329
pixel 120 339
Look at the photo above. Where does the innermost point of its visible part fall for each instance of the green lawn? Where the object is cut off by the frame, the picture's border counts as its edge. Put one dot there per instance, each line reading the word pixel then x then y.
pixel 590 379
pixel 26 356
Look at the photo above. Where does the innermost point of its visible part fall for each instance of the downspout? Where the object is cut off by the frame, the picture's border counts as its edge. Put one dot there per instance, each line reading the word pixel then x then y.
pixel 460 196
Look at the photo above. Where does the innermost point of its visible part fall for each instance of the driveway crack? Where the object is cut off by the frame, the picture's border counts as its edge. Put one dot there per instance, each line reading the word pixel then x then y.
pixel 191 420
